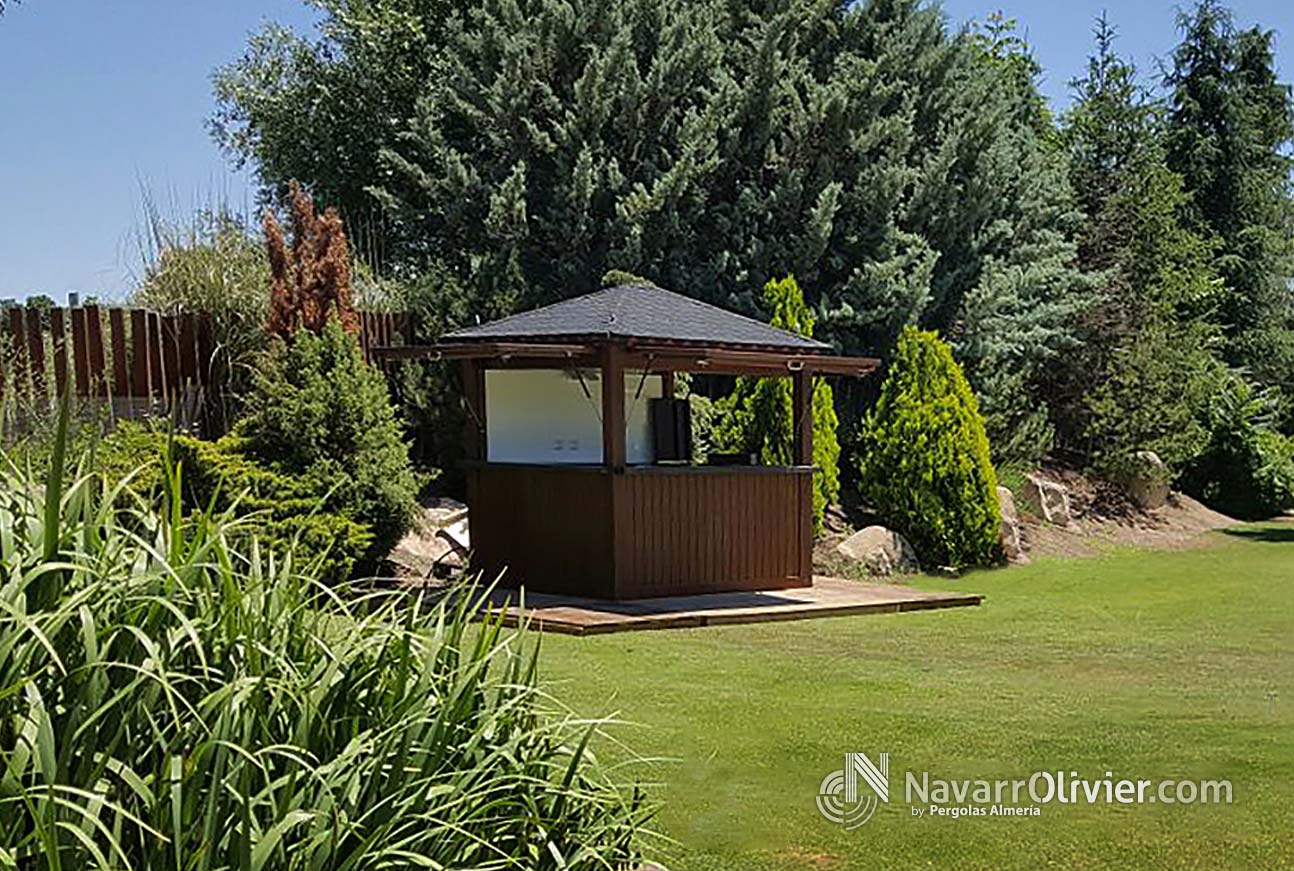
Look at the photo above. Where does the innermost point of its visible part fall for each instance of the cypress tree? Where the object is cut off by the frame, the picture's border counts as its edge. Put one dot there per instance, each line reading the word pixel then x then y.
pixel 757 417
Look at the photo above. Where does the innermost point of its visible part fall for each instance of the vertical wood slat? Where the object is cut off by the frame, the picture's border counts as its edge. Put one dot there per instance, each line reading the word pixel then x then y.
pixel 117 340
pixel 36 350
pixel 80 355
pixel 139 379
pixel 96 364
pixel 171 354
pixel 156 375
pixel 206 348
pixel 14 343
pixel 58 347
pixel 188 348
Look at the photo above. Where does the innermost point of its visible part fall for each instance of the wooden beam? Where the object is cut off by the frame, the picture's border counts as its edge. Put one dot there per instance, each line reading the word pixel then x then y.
pixel 480 351
pixel 613 407
pixel 802 417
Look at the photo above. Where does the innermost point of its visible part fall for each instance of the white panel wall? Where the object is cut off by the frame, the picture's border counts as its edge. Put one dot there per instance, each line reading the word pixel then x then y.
pixel 543 416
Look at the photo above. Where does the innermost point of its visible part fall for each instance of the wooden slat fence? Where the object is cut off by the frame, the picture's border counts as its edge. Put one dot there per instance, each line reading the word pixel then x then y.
pixel 104 352
pixel 377 329
pixel 131 352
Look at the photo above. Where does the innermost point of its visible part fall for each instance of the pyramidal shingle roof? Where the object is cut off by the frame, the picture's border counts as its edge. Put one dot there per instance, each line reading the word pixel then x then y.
pixel 636 311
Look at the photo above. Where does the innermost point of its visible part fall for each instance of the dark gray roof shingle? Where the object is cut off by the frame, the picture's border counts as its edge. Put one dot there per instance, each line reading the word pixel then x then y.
pixel 637 312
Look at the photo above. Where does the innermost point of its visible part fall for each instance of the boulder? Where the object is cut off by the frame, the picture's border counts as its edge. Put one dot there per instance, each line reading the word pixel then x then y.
pixel 1048 499
pixel 1009 531
pixel 882 550
pixel 1146 482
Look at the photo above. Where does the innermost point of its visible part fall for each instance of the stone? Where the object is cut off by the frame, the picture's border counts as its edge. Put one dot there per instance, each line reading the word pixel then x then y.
pixel 1048 499
pixel 1146 482
pixel 882 550
pixel 1009 530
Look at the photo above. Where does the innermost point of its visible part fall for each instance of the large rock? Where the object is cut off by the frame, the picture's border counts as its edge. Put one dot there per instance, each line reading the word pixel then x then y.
pixel 1048 499
pixel 1009 531
pixel 882 550
pixel 1147 480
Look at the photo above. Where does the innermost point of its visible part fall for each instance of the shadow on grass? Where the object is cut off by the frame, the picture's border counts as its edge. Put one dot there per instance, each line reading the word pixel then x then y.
pixel 1264 533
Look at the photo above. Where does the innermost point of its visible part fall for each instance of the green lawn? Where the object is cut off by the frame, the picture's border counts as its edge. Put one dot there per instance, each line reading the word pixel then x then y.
pixel 1147 664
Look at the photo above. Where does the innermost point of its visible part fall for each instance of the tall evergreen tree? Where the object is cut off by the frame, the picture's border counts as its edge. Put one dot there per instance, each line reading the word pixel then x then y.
pixel 1146 365
pixel 526 147
pixel 1230 127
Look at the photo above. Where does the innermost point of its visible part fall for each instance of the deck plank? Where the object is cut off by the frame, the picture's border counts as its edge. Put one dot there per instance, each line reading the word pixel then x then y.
pixel 828 597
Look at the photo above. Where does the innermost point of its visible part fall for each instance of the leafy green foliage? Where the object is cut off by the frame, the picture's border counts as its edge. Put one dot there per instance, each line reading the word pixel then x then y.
pixel 756 418
pixel 1247 468
pixel 924 457
pixel 903 172
pixel 320 412
pixel 168 700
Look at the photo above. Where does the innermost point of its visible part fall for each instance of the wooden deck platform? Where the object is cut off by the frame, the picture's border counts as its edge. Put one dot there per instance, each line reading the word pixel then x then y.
pixel 828 597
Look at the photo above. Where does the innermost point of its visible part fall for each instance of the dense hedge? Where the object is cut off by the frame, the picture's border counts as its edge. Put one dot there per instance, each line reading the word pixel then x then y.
pixel 924 460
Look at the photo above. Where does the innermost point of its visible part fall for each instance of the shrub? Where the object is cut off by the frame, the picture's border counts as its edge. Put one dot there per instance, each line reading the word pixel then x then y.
pixel 1247 468
pixel 321 413
pixel 756 418
pixel 292 512
pixel 169 701
pixel 924 461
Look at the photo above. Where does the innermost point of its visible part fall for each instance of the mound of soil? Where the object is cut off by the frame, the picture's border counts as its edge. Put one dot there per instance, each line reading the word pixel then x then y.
pixel 1105 516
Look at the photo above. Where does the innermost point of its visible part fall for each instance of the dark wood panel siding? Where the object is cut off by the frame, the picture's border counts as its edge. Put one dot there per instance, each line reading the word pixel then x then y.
pixel 550 527
pixel 585 531
pixel 686 532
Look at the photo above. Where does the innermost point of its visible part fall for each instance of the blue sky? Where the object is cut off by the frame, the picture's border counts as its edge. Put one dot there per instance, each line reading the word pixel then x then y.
pixel 100 99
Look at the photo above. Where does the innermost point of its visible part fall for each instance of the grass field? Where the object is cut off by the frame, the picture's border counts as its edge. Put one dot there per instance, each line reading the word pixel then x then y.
pixel 1146 664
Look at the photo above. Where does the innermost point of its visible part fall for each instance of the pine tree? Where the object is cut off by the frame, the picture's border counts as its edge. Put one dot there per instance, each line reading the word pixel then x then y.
pixel 1146 367
pixel 1230 127
pixel 757 417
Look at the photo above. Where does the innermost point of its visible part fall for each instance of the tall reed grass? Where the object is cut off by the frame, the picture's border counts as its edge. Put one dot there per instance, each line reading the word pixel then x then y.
pixel 167 702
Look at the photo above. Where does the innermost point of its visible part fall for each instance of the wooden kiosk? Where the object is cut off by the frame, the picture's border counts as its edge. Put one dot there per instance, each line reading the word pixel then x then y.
pixel 576 478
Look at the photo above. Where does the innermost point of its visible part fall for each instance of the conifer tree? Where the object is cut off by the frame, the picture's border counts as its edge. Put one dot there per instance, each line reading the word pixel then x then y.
pixel 1146 366
pixel 905 173
pixel 924 463
pixel 1230 127
pixel 756 418
pixel 311 278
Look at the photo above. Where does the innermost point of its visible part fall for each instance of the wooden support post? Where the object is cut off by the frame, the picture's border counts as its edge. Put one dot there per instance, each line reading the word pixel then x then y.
pixel 613 406
pixel 667 385
pixel 80 352
pixel 802 417
pixel 117 340
pixel 94 350
pixel 475 446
